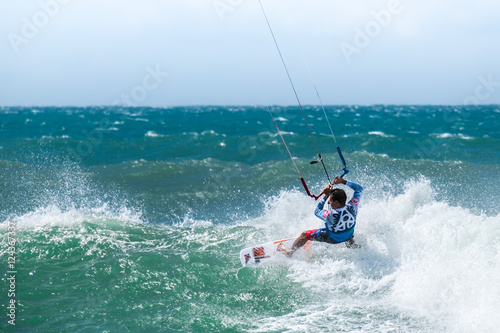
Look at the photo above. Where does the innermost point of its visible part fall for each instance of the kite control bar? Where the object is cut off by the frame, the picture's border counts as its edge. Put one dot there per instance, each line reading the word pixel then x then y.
pixel 346 171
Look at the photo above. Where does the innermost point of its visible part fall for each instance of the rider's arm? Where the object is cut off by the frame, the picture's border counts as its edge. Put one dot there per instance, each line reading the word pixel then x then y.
pixel 319 211
pixel 358 190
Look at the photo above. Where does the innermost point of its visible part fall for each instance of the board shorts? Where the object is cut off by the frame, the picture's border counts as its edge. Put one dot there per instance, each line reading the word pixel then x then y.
pixel 320 235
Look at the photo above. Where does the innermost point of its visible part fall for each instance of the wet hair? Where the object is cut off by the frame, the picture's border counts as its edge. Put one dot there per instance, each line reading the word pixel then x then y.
pixel 338 195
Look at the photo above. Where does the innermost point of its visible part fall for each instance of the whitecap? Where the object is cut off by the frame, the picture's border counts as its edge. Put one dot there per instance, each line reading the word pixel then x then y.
pixel 380 133
pixel 153 134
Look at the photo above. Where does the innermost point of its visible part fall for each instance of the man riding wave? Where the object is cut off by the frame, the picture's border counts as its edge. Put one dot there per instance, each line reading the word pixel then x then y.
pixel 340 220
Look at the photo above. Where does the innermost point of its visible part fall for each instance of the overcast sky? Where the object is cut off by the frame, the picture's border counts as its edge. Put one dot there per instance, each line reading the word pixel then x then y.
pixel 220 52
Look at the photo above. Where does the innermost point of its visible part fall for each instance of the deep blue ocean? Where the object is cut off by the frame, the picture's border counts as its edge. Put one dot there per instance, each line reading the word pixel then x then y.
pixel 132 219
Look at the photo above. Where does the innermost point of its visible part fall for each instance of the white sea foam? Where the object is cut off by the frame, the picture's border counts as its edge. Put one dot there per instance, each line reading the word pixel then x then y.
pixel 424 265
pixel 382 134
pixel 54 215
pixel 153 134
pixel 212 133
pixel 189 222
pixel 449 135
pixel 281 119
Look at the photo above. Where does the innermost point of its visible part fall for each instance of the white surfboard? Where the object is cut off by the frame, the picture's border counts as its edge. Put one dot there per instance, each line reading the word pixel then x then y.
pixel 272 252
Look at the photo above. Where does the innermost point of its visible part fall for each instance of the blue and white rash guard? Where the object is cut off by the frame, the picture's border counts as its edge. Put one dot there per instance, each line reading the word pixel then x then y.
pixel 340 222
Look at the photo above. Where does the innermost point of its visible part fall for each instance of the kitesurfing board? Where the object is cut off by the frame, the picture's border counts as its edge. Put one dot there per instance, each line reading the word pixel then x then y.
pixel 271 252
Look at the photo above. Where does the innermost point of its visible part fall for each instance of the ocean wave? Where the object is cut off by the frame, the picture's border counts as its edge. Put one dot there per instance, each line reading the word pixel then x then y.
pixel 53 215
pixel 420 256
pixel 450 135
pixel 276 134
pixel 380 133
pixel 153 134
pixel 424 265
pixel 55 137
pixel 212 133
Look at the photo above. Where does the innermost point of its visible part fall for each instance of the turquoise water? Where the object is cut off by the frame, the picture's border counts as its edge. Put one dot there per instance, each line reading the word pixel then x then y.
pixel 132 219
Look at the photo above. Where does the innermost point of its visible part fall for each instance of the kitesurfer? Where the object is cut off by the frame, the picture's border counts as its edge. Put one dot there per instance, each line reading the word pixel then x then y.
pixel 340 220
